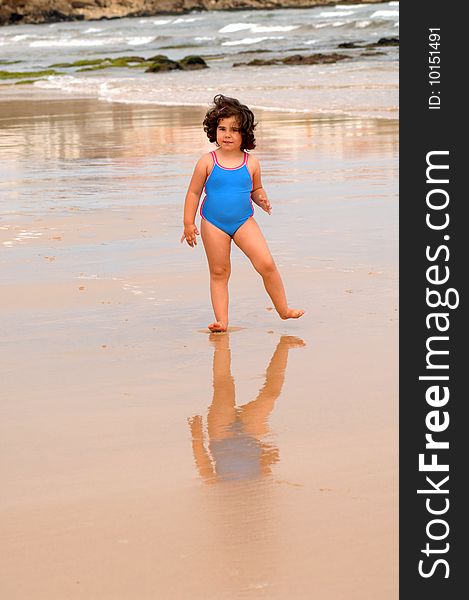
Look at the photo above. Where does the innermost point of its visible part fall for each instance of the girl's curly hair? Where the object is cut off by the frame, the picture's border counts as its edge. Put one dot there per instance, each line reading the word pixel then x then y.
pixel 224 107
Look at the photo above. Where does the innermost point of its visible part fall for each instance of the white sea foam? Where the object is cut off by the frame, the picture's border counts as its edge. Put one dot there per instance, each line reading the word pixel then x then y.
pixel 252 40
pixel 70 84
pixel 362 24
pixel 337 14
pixel 93 30
pixel 188 19
pixel 254 28
pixel 161 21
pixel 72 43
pixel 140 41
pixel 309 42
pixel 203 39
pixel 338 23
pixel 362 94
pixel 232 27
pixel 384 13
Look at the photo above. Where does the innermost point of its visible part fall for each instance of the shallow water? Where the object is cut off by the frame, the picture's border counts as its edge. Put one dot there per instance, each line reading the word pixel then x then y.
pixel 144 458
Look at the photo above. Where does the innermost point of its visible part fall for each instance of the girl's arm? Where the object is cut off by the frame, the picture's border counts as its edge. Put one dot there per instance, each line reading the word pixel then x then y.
pixel 258 194
pixel 192 200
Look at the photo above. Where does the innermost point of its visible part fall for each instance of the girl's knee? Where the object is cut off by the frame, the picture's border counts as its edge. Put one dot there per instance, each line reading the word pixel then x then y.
pixel 266 267
pixel 220 272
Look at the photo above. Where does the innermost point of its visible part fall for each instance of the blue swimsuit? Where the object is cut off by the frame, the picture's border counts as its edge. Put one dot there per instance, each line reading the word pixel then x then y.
pixel 227 203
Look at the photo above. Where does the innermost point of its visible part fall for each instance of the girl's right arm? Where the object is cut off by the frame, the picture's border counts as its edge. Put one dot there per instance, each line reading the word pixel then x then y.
pixel 192 200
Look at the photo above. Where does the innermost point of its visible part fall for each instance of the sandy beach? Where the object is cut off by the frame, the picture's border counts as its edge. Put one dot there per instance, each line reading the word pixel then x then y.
pixel 125 475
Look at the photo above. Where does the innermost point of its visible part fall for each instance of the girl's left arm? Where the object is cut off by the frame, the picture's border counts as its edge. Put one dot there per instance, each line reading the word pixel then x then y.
pixel 258 194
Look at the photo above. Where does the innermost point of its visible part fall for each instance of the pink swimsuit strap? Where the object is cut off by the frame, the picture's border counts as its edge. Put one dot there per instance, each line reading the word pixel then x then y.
pixel 215 160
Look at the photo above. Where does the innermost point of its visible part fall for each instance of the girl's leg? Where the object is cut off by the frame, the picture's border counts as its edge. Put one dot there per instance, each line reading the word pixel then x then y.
pixel 250 240
pixel 217 246
pixel 222 411
pixel 255 414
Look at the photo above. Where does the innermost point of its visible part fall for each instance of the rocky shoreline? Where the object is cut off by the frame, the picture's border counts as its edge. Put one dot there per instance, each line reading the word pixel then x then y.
pixel 161 63
pixel 48 11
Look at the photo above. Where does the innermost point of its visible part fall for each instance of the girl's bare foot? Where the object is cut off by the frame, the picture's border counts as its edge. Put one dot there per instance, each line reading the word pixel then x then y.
pixel 217 327
pixel 292 313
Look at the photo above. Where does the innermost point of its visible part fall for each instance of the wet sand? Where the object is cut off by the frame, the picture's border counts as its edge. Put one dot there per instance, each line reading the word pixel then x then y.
pixel 141 456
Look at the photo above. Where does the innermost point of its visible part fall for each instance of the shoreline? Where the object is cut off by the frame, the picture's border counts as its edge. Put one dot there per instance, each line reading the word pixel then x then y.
pixel 11 92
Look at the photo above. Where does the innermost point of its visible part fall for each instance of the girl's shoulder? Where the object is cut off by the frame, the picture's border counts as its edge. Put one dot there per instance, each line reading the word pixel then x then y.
pixel 252 158
pixel 206 159
pixel 253 161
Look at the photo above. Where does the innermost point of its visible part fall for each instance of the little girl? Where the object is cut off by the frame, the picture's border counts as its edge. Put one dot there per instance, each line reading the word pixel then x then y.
pixel 232 181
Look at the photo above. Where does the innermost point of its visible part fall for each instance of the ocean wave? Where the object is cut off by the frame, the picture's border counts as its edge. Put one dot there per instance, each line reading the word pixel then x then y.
pixel 187 19
pixel 266 29
pixel 255 28
pixel 337 14
pixel 252 40
pixel 233 27
pixel 245 41
pixel 70 84
pixel 74 42
pixel 155 21
pixel 140 41
pixel 384 13
pixel 93 30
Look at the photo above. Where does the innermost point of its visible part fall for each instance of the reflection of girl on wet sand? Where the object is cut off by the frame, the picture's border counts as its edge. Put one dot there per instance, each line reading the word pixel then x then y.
pixel 235 450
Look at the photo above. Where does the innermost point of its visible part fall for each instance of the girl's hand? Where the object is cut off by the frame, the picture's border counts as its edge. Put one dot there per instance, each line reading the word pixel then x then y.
pixel 190 232
pixel 264 203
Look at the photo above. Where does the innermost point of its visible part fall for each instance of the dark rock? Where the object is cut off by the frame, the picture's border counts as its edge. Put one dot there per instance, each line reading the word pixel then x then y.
pixel 349 45
pixel 381 42
pixel 393 41
pixel 162 63
pixel 296 59
pixel 258 62
pixel 314 59
pixel 190 63
pixel 159 58
pixel 372 53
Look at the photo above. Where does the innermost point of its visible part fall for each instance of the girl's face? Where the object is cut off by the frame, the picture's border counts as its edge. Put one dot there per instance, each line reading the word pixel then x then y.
pixel 229 135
